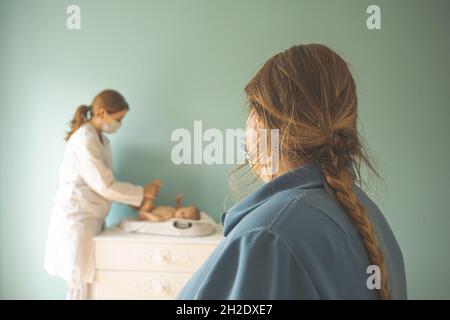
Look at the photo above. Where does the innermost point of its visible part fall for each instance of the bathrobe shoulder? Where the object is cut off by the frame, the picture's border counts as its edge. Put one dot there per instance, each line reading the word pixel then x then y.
pixel 291 240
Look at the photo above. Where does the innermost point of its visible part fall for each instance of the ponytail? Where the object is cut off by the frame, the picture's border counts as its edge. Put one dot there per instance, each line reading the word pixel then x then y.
pixel 80 117
pixel 339 182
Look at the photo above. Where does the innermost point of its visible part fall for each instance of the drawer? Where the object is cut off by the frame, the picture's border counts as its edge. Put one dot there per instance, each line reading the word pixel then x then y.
pixel 145 256
pixel 138 285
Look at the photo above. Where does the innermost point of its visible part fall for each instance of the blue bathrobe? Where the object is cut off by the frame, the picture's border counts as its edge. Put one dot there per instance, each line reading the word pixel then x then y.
pixel 291 240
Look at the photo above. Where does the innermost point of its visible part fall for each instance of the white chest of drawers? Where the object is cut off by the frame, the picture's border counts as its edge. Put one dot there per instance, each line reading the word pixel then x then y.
pixel 137 266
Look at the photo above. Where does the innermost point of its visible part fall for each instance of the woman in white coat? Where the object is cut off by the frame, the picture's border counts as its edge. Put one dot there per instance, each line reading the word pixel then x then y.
pixel 87 187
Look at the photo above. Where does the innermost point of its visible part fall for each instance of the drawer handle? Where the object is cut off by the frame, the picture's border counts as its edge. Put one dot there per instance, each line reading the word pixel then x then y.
pixel 162 288
pixel 162 257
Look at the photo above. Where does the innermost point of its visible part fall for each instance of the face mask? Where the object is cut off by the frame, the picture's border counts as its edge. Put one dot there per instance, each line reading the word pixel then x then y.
pixel 111 127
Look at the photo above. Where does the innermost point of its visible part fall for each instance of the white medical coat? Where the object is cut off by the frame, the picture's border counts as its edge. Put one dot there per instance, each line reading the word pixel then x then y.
pixel 86 189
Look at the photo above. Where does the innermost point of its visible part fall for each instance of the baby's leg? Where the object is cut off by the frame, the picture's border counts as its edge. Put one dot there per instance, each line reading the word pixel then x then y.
pixel 147 205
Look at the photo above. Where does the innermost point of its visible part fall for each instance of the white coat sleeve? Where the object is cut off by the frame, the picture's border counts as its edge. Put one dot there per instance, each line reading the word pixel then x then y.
pixel 100 177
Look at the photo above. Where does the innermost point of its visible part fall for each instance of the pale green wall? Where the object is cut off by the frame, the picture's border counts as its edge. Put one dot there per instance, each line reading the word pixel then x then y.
pixel 180 61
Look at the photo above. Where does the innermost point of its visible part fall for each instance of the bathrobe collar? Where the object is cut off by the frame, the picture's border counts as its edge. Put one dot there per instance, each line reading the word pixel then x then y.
pixel 307 176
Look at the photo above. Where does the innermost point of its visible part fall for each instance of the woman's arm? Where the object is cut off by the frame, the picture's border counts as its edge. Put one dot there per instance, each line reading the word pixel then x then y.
pixel 91 166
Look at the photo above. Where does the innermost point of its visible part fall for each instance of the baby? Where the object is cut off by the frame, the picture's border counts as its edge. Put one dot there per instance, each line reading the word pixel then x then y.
pixel 147 211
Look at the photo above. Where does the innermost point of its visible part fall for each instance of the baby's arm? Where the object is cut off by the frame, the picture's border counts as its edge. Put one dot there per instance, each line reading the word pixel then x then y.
pixel 179 200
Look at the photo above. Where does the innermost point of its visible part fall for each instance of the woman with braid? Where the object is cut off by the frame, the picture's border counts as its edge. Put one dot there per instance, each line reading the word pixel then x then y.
pixel 309 232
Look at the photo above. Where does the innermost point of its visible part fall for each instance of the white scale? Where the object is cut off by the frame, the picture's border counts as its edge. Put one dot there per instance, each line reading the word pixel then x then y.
pixel 173 227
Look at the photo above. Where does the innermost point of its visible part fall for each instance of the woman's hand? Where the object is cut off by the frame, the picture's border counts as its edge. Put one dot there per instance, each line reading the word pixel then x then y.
pixel 151 191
